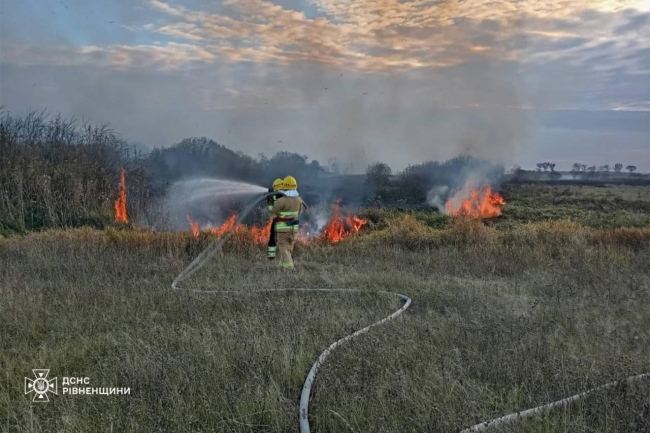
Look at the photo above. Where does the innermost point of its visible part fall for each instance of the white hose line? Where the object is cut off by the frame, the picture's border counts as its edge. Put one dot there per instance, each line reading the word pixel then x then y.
pixel 547 407
pixel 215 246
pixel 306 389
pixel 303 409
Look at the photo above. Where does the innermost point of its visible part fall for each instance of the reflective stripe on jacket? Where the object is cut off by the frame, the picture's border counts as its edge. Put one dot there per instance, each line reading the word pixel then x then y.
pixel 287 210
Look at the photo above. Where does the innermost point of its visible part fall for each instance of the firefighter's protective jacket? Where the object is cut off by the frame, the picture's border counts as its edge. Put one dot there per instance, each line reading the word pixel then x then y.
pixel 286 210
pixel 270 200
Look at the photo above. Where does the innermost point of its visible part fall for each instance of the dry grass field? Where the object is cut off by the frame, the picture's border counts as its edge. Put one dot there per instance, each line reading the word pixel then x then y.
pixel 506 315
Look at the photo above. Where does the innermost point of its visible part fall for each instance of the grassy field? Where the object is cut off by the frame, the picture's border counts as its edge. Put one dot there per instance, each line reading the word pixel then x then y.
pixel 608 206
pixel 506 316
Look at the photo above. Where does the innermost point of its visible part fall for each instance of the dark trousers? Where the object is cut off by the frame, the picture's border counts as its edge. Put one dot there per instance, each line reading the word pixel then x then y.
pixel 273 242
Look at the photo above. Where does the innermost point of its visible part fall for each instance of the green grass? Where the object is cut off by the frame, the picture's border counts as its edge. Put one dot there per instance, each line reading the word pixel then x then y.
pixel 611 206
pixel 503 319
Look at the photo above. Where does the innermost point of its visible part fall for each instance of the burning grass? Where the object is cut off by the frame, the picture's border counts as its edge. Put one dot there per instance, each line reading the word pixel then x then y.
pixel 337 228
pixel 120 202
pixel 259 235
pixel 472 202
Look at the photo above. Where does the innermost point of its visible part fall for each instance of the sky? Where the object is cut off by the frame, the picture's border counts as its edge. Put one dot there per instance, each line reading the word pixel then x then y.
pixel 397 81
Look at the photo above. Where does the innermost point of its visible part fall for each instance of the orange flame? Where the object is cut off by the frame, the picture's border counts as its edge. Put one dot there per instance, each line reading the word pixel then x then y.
pixel 120 203
pixel 194 226
pixel 481 203
pixel 338 227
pixel 261 234
pixel 225 227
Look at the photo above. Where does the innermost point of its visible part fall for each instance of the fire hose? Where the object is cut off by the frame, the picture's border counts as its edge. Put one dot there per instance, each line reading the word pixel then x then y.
pixel 216 245
pixel 547 407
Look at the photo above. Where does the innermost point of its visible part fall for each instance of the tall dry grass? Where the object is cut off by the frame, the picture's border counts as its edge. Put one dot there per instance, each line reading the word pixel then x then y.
pixel 502 320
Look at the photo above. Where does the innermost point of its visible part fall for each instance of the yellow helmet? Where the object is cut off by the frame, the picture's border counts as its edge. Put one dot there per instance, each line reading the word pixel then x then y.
pixel 290 183
pixel 278 184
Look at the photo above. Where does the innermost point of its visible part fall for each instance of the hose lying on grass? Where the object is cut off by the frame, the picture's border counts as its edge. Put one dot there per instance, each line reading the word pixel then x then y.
pixel 216 245
pixel 507 419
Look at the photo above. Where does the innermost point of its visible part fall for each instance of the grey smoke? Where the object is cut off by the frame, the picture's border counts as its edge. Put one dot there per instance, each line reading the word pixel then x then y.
pixel 317 217
pixel 401 120
pixel 473 176
pixel 437 197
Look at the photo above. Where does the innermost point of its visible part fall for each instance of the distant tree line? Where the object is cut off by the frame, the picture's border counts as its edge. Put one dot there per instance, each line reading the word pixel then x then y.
pixel 579 169
pixel 546 166
pixel 582 170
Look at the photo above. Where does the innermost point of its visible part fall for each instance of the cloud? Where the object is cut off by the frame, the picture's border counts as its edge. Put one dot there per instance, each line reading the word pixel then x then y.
pixel 370 35
pixel 170 56
pixel 379 36
pixel 636 23
pixel 365 80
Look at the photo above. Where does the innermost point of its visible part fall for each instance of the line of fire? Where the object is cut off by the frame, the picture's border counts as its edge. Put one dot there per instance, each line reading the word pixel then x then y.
pixel 481 202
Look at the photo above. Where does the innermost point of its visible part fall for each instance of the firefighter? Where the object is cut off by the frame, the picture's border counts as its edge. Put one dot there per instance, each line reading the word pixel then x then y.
pixel 286 210
pixel 270 200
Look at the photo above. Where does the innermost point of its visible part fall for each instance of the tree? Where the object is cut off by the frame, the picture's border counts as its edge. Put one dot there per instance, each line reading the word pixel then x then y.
pixel 378 174
pixel 287 163
pixel 333 166
pixel 576 169
pixel 618 167
pixel 591 170
pixel 551 165
pixel 583 167
pixel 315 167
pixel 539 166
pixel 263 159
pixel 630 168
